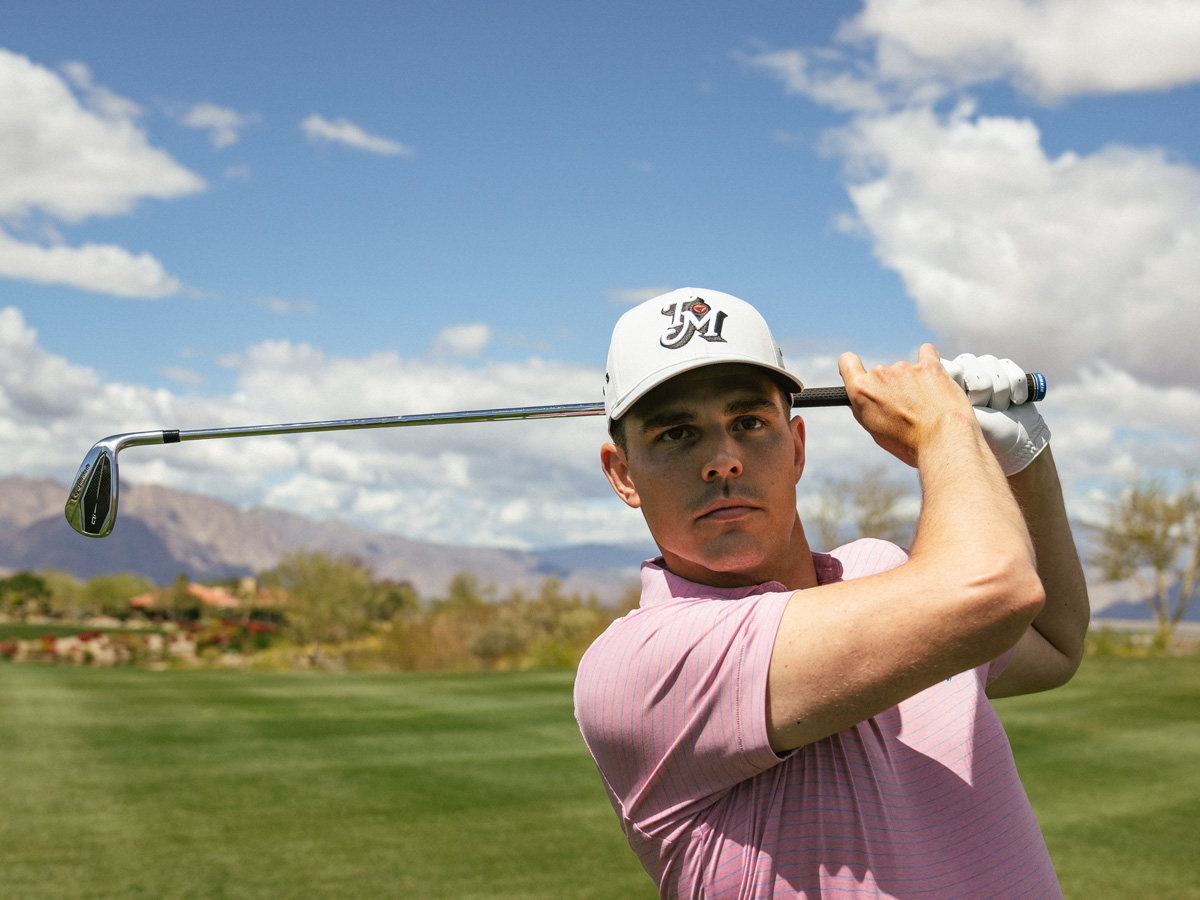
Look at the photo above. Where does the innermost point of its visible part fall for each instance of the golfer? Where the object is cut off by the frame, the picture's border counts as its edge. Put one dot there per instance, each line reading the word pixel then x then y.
pixel 774 722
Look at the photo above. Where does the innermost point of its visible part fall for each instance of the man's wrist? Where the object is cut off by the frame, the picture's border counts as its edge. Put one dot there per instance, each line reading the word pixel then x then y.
pixel 957 434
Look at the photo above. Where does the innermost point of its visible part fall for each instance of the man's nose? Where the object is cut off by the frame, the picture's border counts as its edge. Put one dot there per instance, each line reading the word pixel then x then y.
pixel 723 461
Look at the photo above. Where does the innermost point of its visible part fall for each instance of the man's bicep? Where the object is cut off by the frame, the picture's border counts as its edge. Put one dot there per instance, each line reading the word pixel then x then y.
pixel 845 652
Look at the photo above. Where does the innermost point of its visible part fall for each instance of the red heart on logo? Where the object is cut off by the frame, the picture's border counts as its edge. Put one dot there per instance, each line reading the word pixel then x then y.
pixel 699 308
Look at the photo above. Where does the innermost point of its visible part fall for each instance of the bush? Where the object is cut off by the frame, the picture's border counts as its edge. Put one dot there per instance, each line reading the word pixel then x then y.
pixel 329 600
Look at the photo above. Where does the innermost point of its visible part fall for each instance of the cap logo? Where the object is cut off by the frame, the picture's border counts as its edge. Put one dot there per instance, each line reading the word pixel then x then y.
pixel 691 318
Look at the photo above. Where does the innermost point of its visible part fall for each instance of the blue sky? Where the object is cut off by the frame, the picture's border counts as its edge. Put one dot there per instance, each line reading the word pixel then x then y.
pixel 218 214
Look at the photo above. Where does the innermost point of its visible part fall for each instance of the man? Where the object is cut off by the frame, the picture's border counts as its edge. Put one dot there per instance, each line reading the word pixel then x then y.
pixel 773 722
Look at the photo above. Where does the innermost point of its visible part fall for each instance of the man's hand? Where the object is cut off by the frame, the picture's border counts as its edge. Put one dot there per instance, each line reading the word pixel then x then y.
pixel 902 405
pixel 1016 434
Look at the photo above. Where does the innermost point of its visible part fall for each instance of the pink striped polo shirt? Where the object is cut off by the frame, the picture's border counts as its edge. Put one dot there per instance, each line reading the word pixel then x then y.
pixel 920 801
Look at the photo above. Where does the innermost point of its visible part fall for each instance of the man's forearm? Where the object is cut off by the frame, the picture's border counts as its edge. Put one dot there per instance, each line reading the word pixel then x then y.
pixel 1063 621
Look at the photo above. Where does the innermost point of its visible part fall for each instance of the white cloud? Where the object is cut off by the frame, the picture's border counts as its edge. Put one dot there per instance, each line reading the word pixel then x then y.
pixel 103 268
pixel 282 306
pixel 634 296
pixel 1064 260
pixel 1052 49
pixel 1083 265
pixel 97 97
pixel 183 375
pixel 1109 407
pixel 69 161
pixel 444 482
pixel 1107 425
pixel 465 341
pixel 34 383
pixel 1070 260
pixel 455 483
pixel 223 124
pixel 342 131
pixel 822 76
pixel 531 483
pixel 900 52
pixel 1110 427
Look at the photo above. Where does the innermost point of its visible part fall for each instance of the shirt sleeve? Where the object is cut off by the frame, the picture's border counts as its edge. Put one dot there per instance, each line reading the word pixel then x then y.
pixel 671 704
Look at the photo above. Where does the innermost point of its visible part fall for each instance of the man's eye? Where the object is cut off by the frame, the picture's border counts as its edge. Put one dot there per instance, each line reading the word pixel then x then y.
pixel 678 433
pixel 749 423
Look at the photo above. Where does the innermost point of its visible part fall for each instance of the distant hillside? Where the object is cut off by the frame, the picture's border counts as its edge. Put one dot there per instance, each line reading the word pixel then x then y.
pixel 162 532
pixel 1137 610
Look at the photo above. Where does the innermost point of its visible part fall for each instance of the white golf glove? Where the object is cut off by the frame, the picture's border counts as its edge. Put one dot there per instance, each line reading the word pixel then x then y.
pixel 1016 434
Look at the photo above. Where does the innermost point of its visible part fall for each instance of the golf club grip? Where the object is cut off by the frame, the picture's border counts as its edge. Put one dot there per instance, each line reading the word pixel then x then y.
pixel 1035 382
pixel 820 396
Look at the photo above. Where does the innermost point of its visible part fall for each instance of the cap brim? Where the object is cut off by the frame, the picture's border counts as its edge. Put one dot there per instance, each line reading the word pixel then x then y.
pixel 666 373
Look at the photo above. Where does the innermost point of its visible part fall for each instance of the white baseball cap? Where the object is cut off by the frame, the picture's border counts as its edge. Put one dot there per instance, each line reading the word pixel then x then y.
pixel 679 331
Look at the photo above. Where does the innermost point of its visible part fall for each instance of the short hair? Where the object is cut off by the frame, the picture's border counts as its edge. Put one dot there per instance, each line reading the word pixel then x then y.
pixel 616 427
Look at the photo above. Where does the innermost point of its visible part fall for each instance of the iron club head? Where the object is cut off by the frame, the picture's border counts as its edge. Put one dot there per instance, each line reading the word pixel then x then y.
pixel 92 505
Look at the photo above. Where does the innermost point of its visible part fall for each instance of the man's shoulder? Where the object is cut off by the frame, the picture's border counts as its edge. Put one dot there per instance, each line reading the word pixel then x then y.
pixel 678 613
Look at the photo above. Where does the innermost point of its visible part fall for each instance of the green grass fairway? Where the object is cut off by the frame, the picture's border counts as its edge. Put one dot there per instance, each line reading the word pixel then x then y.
pixel 1112 765
pixel 135 784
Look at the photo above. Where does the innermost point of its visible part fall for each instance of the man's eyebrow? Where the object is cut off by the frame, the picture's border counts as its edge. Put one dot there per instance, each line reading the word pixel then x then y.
pixel 682 415
pixel 750 404
pixel 667 418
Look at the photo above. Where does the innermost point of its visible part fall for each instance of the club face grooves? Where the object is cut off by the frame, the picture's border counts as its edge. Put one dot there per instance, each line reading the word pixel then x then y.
pixel 97 497
pixel 92 506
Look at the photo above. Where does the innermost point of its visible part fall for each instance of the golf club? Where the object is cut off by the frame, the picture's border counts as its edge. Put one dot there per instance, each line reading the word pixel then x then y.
pixel 92 505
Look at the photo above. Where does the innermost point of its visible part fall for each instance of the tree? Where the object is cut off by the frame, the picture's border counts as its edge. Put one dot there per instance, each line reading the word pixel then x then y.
pixel 329 600
pixel 463 597
pixel 871 505
pixel 25 592
pixel 549 628
pixel 180 602
pixel 66 593
pixel 1153 536
pixel 493 640
pixel 392 598
pixel 110 594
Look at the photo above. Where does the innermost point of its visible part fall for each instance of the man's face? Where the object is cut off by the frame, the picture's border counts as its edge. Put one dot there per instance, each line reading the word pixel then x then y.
pixel 712 459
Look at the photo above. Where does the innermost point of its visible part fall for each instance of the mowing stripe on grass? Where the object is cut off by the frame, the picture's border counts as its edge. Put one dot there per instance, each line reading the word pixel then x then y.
pixel 250 785
pixel 201 784
pixel 1111 763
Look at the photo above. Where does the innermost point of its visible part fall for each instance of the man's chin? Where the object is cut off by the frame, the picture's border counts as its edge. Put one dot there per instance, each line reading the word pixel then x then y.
pixel 727 564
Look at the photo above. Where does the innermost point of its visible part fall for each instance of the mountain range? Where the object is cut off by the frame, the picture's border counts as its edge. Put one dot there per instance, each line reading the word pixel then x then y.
pixel 163 532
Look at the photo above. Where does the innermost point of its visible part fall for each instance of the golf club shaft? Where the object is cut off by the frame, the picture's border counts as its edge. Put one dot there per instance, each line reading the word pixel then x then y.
pixel 807 399
pixel 91 506
pixel 812 397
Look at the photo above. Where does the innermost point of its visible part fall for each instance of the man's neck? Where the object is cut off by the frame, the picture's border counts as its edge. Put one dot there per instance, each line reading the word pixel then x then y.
pixel 798 571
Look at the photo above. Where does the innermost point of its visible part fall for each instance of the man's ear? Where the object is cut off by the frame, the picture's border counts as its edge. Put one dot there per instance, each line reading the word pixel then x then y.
pixel 616 470
pixel 797 425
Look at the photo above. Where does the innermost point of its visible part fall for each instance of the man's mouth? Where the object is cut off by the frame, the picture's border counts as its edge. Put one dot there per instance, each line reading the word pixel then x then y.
pixel 726 509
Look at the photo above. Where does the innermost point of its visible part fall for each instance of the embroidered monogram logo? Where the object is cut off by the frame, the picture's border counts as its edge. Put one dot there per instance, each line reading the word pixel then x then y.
pixel 691 318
